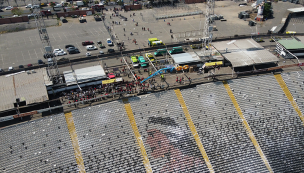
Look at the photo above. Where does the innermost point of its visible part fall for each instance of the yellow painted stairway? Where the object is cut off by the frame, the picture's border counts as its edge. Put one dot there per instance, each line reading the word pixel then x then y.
pixel 137 136
pixel 193 129
pixel 246 125
pixel 74 138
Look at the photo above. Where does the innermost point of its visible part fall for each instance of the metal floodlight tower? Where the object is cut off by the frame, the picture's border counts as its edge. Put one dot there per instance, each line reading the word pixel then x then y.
pixel 207 35
pixel 52 69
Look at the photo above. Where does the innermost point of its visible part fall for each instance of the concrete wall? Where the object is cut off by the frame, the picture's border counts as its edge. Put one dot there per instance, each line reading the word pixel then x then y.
pixel 194 1
pixel 133 7
pixel 14 20
pixel 69 13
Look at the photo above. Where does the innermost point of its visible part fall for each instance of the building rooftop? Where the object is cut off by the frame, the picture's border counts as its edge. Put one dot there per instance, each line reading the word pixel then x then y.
pixel 84 75
pixel 244 52
pixel 25 86
pixel 292 44
pixel 296 10
pixel 184 58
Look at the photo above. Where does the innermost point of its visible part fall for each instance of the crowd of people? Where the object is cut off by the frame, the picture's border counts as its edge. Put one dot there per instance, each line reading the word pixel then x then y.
pixel 105 91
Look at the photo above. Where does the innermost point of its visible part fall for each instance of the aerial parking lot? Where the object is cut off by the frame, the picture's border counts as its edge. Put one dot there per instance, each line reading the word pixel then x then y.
pixel 25 47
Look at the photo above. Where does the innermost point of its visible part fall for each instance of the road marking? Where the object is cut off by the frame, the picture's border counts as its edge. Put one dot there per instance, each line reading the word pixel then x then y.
pixel 96 32
pixel 2 59
pixel 59 36
pixel 36 54
pixel 245 123
pixel 54 37
pixel 79 47
pixel 42 51
pixel 137 136
pixel 101 30
pixel 31 40
pixel 74 138
pixel 192 128
pixel 284 87
pixel 22 55
pixel 30 54
pixel 65 36
pixel 92 33
pixel 75 34
pixel 191 25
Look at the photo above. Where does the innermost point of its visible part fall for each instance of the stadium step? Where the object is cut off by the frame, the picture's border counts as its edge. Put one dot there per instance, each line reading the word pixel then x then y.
pixel 74 138
pixel 137 135
pixel 289 95
pixel 193 129
pixel 246 125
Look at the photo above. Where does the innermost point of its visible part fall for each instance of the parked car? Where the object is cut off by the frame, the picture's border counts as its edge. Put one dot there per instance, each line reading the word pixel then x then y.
pixel 29 65
pixel 73 50
pixel 35 6
pixel 85 43
pixel 10 68
pixel 111 75
pixel 74 16
pixel 1 70
pixel 28 6
pixel 57 50
pixel 101 52
pixel 31 15
pixel 8 8
pixel 99 42
pixel 62 59
pixel 48 55
pixel 50 60
pixel 21 66
pixel 134 61
pixel 69 45
pixel 88 54
pixel 91 47
pixel 111 50
pixel 40 62
pixel 60 53
pixel 150 56
pixel 109 42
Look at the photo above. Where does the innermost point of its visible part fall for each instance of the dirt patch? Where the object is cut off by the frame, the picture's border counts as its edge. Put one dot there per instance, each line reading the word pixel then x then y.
pixel 15 27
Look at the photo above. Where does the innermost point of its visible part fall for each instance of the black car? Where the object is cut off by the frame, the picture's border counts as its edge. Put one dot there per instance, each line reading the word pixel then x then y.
pixel 21 66
pixel 69 45
pixel 73 50
pixel 48 55
pixel 111 50
pixel 40 62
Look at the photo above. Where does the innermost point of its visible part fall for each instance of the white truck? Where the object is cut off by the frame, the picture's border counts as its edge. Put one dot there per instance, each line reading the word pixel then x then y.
pixel 79 3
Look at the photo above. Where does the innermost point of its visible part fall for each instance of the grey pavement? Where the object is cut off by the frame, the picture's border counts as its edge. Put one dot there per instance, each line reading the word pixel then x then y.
pixel 25 47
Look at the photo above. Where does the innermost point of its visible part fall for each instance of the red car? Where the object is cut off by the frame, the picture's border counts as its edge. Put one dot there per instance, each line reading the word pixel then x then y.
pixel 111 75
pixel 87 43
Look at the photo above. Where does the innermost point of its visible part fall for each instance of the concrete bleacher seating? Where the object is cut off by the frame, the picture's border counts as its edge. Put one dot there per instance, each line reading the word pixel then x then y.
pixel 106 139
pixel 37 146
pixel 276 125
pixel 167 138
pixel 108 144
pixel 220 128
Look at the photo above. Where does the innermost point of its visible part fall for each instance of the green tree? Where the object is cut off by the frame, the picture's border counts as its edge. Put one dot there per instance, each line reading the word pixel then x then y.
pixel 52 4
pixel 17 11
pixel 120 2
pixel 96 2
pixel 267 12
pixel 86 2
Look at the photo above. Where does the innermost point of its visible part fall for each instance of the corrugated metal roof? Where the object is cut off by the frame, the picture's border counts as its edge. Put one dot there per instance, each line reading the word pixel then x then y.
pixel 296 10
pixel 29 87
pixel 244 52
pixel 291 44
pixel 184 58
pixel 84 74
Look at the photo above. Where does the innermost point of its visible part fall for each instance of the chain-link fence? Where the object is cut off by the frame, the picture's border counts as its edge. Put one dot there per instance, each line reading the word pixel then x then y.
pixel 178 10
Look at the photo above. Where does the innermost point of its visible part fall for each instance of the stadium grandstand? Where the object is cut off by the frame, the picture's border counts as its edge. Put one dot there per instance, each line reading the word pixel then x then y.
pixel 228 126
